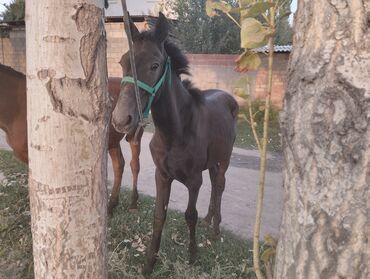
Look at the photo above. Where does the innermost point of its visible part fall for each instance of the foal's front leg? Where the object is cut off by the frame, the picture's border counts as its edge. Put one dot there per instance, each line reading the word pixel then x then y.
pixel 135 168
pixel 163 187
pixel 191 214
pixel 118 163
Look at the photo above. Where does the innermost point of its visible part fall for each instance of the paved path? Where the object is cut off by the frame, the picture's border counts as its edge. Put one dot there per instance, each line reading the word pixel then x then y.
pixel 239 198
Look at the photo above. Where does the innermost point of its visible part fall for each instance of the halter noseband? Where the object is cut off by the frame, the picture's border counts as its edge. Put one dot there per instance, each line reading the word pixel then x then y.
pixel 151 90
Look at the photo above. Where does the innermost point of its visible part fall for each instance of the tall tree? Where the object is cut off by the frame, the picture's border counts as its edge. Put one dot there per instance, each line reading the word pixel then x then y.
pixel 199 33
pixel 13 11
pixel 284 32
pixel 326 141
pixel 68 113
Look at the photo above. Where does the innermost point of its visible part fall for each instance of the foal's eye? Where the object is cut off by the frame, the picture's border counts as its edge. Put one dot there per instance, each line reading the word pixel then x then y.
pixel 154 66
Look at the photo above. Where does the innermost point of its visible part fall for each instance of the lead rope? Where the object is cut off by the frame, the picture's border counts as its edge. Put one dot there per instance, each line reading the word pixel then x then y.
pixel 126 22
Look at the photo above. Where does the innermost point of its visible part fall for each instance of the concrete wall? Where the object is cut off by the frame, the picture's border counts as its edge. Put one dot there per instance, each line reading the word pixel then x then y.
pixel 208 70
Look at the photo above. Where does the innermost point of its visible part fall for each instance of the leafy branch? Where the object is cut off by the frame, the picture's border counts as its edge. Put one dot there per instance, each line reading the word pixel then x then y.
pixel 257 28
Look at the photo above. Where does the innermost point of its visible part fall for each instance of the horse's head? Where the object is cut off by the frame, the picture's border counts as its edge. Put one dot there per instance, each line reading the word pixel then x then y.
pixel 151 67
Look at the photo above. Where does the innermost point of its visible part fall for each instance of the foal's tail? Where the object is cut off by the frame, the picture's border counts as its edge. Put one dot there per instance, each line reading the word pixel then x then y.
pixel 233 106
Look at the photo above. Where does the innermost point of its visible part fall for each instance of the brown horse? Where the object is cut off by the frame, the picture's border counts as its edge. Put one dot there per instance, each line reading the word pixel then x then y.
pixel 194 129
pixel 13 120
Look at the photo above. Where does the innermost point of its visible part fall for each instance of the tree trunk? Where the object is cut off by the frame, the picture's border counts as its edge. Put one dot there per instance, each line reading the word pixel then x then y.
pixel 326 142
pixel 68 113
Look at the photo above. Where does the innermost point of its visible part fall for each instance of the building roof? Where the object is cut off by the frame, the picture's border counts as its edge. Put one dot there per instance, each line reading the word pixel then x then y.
pixel 277 48
pixel 134 7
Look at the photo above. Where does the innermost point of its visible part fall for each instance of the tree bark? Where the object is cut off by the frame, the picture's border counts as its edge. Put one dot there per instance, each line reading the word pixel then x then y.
pixel 326 143
pixel 68 114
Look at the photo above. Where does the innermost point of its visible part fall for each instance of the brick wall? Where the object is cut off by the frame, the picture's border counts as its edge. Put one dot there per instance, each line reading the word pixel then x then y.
pixel 208 70
pixel 217 71
pixel 117 45
pixel 13 50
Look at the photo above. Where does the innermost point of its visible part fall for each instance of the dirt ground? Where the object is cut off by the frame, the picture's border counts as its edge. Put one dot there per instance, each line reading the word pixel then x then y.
pixel 239 199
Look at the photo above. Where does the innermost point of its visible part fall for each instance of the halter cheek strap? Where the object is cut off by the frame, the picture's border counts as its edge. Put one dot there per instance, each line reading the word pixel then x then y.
pixel 151 90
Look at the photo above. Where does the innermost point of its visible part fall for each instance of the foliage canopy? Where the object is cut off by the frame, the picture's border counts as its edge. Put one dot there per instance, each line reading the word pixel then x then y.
pixel 199 33
pixel 14 11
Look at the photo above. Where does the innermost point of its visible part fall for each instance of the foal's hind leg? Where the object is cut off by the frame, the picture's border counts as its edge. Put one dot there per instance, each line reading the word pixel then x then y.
pixel 211 209
pixel 191 214
pixel 118 163
pixel 219 189
pixel 135 168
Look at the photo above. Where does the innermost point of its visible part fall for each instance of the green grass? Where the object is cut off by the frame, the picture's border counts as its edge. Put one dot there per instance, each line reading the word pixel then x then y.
pixel 128 237
pixel 244 134
pixel 245 139
pixel 15 232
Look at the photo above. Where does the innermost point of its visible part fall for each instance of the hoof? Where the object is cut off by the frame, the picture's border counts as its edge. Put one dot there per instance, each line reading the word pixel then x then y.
pixel 205 223
pixel 111 206
pixel 192 254
pixel 133 210
pixel 215 236
pixel 191 259
pixel 147 271
pixel 133 205
pixel 110 212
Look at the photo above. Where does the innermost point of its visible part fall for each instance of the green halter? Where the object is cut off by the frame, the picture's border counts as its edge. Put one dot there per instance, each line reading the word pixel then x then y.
pixel 151 90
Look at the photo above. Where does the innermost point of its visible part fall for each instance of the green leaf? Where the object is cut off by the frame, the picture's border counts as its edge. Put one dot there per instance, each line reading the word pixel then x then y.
pixel 257 9
pixel 235 10
pixel 280 17
pixel 248 61
pixel 245 3
pixel 209 9
pixel 253 33
pixel 242 82
pixel 242 116
pixel 212 6
pixel 270 240
pixel 268 254
pixel 241 92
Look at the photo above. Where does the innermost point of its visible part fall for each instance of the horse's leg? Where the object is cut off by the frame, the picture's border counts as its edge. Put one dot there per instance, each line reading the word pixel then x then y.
pixel 135 168
pixel 17 140
pixel 191 213
pixel 163 188
pixel 118 163
pixel 219 189
pixel 211 208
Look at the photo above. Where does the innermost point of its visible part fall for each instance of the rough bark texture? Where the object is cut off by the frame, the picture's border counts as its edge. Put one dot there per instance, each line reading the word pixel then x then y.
pixel 326 136
pixel 68 113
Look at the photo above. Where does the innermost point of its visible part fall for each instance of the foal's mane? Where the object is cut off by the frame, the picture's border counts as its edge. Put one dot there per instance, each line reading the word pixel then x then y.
pixel 179 62
pixel 10 70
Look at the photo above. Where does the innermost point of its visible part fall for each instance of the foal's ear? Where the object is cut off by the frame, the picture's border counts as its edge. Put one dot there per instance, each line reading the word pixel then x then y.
pixel 133 28
pixel 121 61
pixel 161 28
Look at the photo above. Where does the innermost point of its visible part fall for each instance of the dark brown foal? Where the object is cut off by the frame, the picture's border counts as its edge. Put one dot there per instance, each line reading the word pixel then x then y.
pixel 194 129
pixel 13 120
